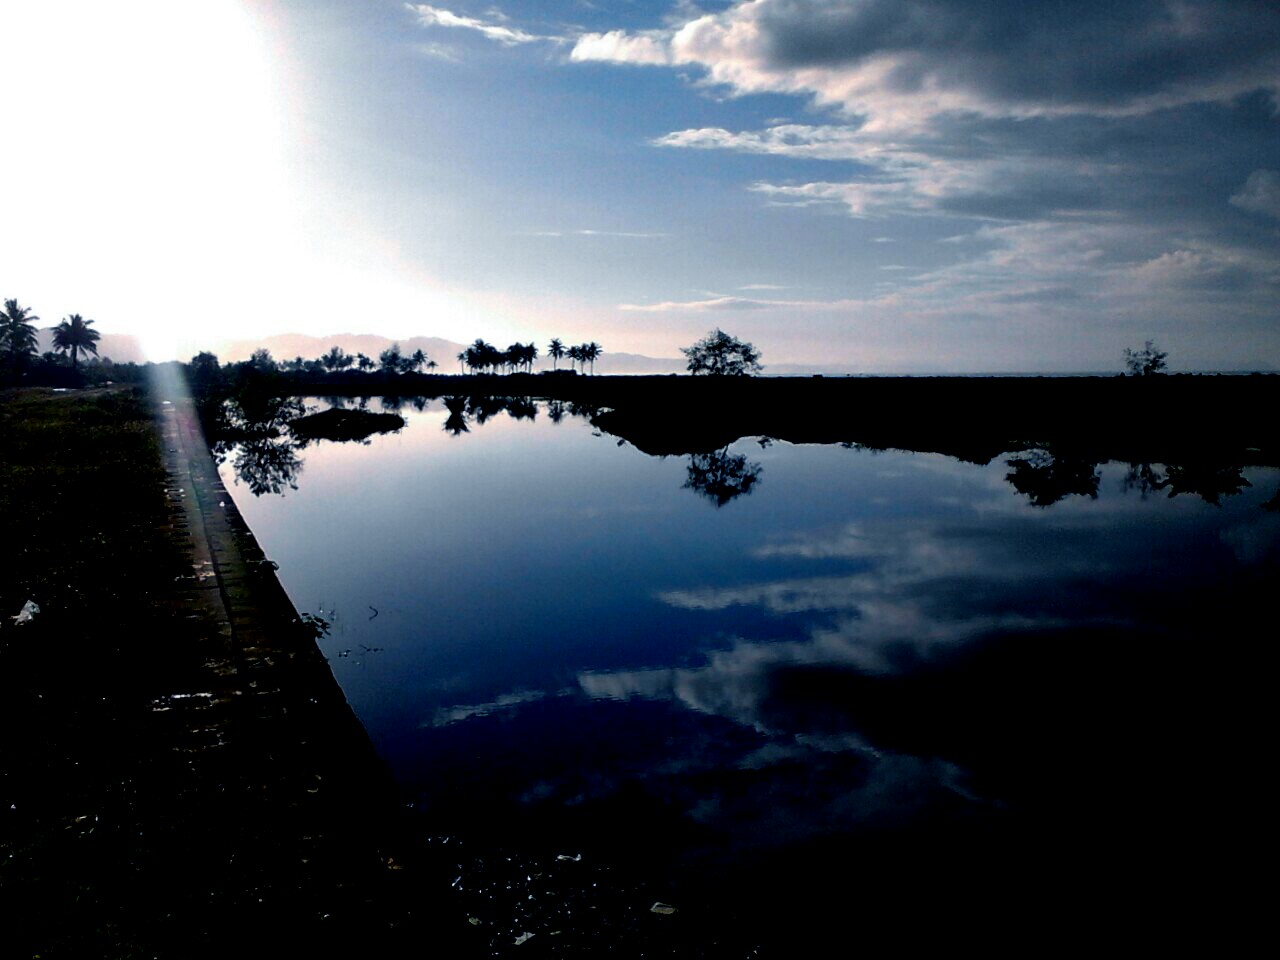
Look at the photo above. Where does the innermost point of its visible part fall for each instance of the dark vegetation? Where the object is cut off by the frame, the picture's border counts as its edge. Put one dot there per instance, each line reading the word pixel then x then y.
pixel 167 789
pixel 20 365
pixel 344 425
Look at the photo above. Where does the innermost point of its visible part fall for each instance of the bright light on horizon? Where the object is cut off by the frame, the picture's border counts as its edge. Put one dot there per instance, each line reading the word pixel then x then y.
pixel 154 190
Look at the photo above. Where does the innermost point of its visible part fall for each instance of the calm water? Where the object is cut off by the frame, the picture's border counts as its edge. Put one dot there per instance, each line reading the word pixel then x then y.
pixel 794 681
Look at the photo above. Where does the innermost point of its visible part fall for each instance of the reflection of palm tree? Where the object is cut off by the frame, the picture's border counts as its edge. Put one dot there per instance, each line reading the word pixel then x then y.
pixel 721 476
pixel 456 423
pixel 73 335
pixel 522 408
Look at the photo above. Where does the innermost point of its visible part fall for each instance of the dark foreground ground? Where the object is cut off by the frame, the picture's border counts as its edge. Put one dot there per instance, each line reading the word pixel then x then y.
pixel 180 774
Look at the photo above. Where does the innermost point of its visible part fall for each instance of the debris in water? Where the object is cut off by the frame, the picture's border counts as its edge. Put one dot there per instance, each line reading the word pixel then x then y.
pixel 27 613
pixel 565 856
pixel 663 908
pixel 523 937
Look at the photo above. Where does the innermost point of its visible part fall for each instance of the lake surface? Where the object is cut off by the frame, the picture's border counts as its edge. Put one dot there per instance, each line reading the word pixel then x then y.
pixel 795 687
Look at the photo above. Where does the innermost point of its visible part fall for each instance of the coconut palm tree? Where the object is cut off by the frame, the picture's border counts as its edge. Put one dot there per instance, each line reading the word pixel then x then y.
pixel 462 359
pixel 575 355
pixel 17 333
pixel 555 350
pixel 591 352
pixel 73 335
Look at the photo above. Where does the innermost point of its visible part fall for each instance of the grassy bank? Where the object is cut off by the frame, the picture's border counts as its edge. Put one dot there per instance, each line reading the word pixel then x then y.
pixel 83 516
pixel 173 784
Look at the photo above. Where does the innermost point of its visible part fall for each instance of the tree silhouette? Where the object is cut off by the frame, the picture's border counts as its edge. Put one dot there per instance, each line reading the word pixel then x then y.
pixel 17 333
pixel 590 353
pixel 575 355
pixel 719 354
pixel 555 350
pixel 73 335
pixel 1145 362
pixel 481 355
pixel 391 360
pixel 337 359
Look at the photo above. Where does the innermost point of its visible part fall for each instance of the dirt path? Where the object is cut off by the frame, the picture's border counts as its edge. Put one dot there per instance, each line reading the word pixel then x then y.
pixel 311 835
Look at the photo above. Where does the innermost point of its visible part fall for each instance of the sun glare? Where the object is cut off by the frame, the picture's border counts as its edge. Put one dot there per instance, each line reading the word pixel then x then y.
pixel 152 161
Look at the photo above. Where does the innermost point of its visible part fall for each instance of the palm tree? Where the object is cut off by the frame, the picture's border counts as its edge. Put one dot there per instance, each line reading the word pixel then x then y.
pixel 575 355
pixel 17 333
pixel 431 364
pixel 462 359
pixel 591 352
pixel 73 335
pixel 419 360
pixel 555 350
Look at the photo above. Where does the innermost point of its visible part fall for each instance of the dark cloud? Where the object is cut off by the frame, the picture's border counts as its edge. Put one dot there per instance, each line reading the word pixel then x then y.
pixel 1103 54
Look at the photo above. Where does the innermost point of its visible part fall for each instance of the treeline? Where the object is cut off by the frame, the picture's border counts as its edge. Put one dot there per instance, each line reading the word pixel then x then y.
pixel 22 363
pixel 479 357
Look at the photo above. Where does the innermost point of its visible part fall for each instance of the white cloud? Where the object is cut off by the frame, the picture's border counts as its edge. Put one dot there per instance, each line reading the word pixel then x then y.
pixel 897 64
pixel 1260 193
pixel 831 142
pixel 862 198
pixel 646 49
pixel 430 16
pixel 715 303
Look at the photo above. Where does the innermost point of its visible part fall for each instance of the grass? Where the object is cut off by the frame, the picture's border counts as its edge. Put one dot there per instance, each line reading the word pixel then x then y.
pixel 84 525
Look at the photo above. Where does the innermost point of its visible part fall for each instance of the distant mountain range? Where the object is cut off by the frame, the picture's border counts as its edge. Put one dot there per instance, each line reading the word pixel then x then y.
pixel 444 352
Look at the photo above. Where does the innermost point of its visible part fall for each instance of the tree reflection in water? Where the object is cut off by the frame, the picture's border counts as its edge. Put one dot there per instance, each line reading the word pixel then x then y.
pixel 456 423
pixel 1046 478
pixel 265 464
pixel 263 452
pixel 722 476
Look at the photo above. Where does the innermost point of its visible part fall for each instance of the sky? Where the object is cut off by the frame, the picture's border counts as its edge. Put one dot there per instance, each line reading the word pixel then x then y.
pixel 875 185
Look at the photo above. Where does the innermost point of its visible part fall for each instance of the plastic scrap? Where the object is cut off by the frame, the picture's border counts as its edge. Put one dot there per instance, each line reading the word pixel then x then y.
pixel 27 613
pixel 565 856
pixel 523 937
pixel 663 908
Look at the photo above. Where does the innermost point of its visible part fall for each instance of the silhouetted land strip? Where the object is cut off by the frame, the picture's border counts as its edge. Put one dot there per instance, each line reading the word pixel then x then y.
pixel 345 424
pixel 1152 419
pixel 183 776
